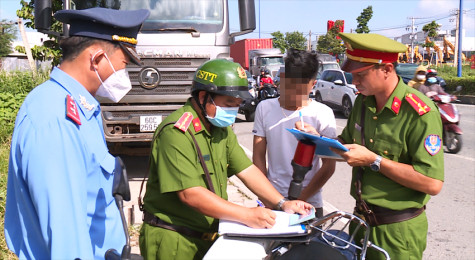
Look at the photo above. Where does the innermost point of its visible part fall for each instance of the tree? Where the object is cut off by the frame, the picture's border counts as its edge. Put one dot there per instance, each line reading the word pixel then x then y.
pixel 363 20
pixel 50 49
pixel 294 40
pixel 7 35
pixel 432 31
pixel 329 43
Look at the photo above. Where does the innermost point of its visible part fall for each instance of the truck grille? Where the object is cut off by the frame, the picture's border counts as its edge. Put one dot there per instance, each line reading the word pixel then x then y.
pixel 177 81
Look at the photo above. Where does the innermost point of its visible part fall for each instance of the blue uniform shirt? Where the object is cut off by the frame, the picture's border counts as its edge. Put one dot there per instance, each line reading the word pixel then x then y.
pixel 59 195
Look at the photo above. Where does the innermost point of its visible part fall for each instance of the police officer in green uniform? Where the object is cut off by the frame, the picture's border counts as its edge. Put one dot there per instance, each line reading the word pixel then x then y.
pixel 194 152
pixel 394 141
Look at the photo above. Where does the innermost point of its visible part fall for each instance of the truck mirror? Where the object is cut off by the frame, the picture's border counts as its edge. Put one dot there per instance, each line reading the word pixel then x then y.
pixel 43 14
pixel 247 15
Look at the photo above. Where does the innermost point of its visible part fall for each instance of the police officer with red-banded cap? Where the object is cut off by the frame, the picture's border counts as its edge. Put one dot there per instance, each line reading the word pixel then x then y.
pixel 59 195
pixel 394 137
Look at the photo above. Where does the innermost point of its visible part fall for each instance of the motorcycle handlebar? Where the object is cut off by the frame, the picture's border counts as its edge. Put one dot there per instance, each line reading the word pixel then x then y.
pixel 112 254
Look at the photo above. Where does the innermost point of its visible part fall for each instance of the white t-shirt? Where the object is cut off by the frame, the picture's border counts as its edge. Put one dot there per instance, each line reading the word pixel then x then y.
pixel 271 122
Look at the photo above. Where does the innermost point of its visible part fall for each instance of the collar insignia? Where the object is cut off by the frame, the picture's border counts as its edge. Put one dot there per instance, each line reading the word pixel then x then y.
pixel 396 105
pixel 197 124
pixel 85 104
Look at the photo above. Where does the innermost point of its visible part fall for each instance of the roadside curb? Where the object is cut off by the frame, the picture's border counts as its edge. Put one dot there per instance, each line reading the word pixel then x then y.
pixel 470 100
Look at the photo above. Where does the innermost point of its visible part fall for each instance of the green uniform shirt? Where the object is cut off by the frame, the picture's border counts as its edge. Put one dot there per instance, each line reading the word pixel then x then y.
pixel 175 166
pixel 398 137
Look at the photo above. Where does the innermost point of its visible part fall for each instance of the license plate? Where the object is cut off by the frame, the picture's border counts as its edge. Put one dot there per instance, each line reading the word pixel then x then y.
pixel 149 123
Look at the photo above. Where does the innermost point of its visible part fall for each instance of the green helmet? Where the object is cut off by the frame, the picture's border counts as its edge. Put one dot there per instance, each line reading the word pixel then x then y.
pixel 222 77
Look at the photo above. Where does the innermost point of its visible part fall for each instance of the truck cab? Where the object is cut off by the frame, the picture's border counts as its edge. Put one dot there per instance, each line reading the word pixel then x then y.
pixel 177 38
pixel 271 59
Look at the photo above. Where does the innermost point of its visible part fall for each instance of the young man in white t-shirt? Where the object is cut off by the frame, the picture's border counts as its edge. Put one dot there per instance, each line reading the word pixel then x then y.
pixel 272 118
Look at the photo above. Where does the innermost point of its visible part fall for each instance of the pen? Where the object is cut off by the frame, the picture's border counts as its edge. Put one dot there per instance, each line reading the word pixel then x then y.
pixel 260 204
pixel 301 120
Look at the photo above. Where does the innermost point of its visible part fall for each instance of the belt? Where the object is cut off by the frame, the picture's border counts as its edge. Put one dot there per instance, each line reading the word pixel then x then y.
pixel 157 222
pixel 381 216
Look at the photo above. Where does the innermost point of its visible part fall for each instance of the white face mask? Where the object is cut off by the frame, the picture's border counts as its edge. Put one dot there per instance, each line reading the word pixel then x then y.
pixel 421 77
pixel 116 86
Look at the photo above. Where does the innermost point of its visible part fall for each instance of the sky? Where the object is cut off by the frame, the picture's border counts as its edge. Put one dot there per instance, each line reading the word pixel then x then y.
pixel 390 17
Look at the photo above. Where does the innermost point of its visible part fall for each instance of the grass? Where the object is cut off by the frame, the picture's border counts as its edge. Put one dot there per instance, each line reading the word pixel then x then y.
pixel 4 151
pixel 14 86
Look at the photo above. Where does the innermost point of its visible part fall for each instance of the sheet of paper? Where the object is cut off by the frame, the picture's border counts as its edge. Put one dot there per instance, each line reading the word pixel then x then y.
pixel 323 143
pixel 297 218
pixel 281 227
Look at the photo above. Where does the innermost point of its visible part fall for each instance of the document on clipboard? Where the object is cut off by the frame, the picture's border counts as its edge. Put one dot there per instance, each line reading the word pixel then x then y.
pixel 281 228
pixel 323 143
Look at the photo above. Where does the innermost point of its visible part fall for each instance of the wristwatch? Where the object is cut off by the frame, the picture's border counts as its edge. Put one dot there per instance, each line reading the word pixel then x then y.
pixel 376 165
pixel 281 202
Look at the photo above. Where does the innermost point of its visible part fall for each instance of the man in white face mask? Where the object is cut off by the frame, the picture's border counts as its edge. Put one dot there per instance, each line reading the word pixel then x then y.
pixel 59 195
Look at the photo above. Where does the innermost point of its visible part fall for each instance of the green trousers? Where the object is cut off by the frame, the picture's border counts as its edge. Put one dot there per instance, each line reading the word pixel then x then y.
pixel 158 243
pixel 404 240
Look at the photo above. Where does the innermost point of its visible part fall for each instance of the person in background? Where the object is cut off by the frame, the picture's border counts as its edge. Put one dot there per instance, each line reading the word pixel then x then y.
pixel 59 194
pixel 431 85
pixel 261 75
pixel 274 116
pixel 194 151
pixel 419 77
pixel 394 139
pixel 266 79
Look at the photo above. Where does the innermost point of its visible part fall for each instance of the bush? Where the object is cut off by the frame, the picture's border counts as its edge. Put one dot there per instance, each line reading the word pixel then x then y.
pixel 14 88
pixel 449 74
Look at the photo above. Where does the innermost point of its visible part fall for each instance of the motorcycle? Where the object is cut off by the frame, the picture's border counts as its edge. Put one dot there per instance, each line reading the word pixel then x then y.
pixel 121 192
pixel 248 106
pixel 452 134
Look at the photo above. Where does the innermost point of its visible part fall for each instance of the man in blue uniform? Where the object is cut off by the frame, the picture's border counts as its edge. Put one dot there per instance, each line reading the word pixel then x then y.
pixel 59 195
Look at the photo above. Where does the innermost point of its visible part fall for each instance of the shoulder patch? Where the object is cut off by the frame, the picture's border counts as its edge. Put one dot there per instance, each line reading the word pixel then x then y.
pixel 396 105
pixel 184 122
pixel 433 143
pixel 72 110
pixel 416 103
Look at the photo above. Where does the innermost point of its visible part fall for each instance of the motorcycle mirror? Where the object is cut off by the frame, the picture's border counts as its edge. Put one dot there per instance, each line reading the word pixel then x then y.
pixel 120 184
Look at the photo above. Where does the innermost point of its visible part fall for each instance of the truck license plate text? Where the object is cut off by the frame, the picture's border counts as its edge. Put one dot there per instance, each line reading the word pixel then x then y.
pixel 149 123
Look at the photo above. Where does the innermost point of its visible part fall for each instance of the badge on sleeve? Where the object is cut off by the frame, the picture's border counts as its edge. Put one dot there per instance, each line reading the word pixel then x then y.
pixel 184 122
pixel 433 143
pixel 72 110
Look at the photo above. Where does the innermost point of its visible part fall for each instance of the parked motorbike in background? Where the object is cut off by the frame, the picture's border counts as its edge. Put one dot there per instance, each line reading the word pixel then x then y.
pixel 450 115
pixel 248 106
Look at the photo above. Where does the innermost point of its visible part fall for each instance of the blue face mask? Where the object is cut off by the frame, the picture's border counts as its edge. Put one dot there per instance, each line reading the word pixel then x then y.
pixel 432 80
pixel 225 116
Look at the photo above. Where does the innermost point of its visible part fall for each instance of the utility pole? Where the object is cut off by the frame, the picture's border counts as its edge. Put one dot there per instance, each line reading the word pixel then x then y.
pixel 459 51
pixel 413 36
pixel 309 44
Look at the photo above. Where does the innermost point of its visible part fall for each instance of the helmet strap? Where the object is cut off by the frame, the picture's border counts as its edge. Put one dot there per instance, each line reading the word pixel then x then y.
pixel 202 105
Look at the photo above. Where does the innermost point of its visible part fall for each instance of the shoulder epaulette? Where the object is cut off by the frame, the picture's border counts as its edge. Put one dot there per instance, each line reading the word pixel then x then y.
pixel 184 122
pixel 416 103
pixel 72 110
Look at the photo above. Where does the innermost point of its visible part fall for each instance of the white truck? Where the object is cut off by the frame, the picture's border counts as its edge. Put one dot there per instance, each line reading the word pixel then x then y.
pixel 271 59
pixel 174 41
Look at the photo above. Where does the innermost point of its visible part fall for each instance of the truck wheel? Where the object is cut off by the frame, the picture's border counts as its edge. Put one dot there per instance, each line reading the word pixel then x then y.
pixel 249 115
pixel 347 107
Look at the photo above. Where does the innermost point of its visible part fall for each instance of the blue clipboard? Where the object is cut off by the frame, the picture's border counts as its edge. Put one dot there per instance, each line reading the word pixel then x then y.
pixel 323 143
